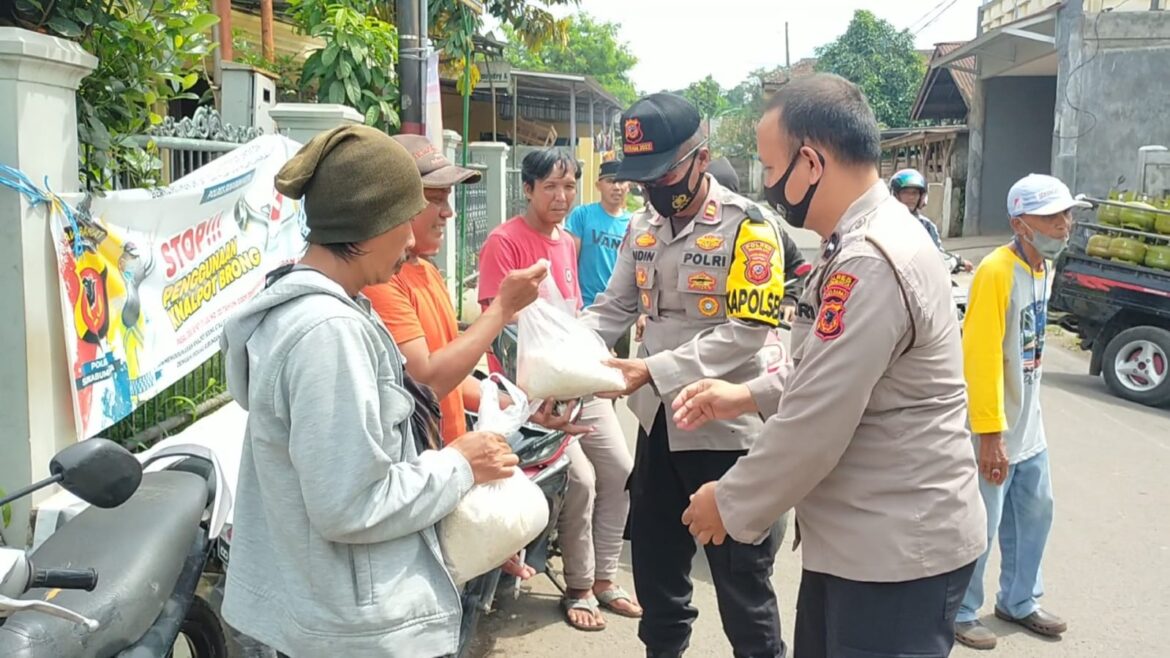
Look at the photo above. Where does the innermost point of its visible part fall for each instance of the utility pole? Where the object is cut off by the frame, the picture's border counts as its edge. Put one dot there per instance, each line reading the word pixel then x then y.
pixel 223 36
pixel 787 57
pixel 267 42
pixel 410 55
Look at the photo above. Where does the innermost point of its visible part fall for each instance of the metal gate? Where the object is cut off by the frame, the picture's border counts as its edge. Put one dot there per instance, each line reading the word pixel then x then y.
pixel 182 147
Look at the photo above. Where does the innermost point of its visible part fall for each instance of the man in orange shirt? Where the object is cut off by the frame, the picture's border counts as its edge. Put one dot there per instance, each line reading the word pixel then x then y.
pixel 416 309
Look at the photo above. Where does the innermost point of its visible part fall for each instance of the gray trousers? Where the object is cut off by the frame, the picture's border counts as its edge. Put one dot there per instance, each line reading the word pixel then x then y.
pixel 596 503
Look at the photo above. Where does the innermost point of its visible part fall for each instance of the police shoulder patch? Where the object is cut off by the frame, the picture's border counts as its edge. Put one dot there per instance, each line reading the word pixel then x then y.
pixel 755 282
pixel 830 323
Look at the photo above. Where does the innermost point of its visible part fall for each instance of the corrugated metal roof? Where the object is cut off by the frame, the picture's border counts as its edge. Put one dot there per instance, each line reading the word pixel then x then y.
pixel 939 80
pixel 801 68
pixel 964 80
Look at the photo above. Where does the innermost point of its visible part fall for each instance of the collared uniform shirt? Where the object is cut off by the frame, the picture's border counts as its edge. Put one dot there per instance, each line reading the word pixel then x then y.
pixel 711 295
pixel 867 437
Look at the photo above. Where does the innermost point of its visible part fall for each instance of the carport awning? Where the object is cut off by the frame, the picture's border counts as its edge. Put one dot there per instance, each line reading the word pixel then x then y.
pixel 1025 47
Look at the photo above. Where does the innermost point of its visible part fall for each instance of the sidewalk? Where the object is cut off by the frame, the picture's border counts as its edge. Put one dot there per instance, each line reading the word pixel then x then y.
pixel 976 247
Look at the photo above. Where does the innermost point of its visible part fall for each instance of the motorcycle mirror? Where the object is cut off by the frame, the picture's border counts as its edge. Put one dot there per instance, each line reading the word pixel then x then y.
pixel 98 471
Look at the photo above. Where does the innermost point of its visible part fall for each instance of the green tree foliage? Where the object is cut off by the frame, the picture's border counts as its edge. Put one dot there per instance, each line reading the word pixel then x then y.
pixel 735 134
pixel 357 65
pixel 452 26
pixel 880 59
pixel 707 96
pixel 148 54
pixel 593 48
pixel 246 49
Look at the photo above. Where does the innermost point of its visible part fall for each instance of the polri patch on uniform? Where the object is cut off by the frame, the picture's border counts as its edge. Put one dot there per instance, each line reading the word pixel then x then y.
pixel 830 323
pixel 758 257
pixel 641 276
pixel 709 242
pixel 711 210
pixel 645 300
pixel 646 240
pixel 701 282
pixel 708 306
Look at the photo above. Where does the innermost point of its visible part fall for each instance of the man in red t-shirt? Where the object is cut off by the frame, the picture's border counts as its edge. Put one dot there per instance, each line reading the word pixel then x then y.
pixel 596 504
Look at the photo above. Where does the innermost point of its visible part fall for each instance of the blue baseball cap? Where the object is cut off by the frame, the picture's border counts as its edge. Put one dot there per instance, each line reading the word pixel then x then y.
pixel 1037 194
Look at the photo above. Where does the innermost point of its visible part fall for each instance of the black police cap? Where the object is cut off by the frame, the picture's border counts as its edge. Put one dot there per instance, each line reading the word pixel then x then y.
pixel 653 129
pixel 608 169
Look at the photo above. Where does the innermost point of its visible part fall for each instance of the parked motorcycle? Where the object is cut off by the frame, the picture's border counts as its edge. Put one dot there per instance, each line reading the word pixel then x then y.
pixel 123 573
pixel 543 458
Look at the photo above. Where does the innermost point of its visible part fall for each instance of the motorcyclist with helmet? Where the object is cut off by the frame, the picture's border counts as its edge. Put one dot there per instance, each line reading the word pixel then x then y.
pixel 909 187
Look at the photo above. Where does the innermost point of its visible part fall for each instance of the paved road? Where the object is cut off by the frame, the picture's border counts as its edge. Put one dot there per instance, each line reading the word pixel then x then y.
pixel 1107 570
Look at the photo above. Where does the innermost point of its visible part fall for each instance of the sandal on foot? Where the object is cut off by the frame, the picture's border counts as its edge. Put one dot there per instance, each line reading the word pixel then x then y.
pixel 587 604
pixel 614 594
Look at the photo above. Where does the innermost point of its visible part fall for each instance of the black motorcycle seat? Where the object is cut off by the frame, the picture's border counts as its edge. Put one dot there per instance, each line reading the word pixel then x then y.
pixel 138 550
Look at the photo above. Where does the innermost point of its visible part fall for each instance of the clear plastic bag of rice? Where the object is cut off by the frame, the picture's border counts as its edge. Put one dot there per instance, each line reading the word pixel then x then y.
pixel 495 519
pixel 557 357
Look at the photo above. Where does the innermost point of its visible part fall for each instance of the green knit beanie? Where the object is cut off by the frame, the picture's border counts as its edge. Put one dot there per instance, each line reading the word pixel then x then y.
pixel 357 183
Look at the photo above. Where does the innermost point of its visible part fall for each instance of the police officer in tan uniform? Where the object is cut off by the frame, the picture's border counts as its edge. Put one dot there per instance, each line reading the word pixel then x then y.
pixel 867 436
pixel 706 268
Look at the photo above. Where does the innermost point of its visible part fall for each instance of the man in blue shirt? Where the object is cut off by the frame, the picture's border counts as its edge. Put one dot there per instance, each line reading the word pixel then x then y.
pixel 599 229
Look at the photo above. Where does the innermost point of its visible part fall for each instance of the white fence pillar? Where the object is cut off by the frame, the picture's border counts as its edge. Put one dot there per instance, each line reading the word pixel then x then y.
pixel 494 156
pixel 301 122
pixel 39 76
pixel 445 261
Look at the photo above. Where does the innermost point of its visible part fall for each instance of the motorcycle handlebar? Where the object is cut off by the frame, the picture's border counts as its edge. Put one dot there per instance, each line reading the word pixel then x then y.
pixel 84 579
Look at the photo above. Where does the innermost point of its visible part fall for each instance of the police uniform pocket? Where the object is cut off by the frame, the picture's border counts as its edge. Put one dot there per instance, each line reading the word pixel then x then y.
pixel 702 280
pixel 648 302
pixel 644 276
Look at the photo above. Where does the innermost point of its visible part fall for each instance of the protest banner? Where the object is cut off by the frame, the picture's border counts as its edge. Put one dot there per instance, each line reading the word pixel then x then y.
pixel 148 277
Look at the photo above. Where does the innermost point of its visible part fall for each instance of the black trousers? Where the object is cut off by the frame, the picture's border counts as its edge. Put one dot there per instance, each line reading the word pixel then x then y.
pixel 662 548
pixel 839 618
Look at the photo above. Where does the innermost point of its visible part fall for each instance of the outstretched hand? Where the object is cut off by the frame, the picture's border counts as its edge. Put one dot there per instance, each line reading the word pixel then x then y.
pixel 636 373
pixel 711 399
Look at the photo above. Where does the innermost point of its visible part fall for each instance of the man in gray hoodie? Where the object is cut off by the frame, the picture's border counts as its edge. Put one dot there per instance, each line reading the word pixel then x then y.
pixel 334 551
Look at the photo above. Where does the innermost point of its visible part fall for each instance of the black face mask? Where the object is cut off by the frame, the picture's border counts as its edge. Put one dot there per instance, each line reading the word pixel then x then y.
pixel 794 213
pixel 670 200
